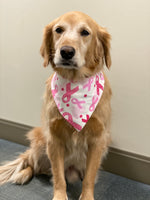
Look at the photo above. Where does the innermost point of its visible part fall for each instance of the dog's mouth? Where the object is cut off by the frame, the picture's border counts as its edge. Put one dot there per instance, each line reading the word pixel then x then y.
pixel 67 64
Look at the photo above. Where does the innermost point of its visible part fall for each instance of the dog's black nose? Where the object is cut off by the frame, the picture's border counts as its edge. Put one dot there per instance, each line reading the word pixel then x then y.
pixel 67 52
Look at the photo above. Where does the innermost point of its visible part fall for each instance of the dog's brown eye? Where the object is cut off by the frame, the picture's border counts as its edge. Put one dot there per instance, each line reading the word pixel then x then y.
pixel 59 30
pixel 84 33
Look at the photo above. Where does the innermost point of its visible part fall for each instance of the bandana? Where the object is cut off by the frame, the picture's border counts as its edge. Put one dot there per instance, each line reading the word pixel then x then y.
pixel 76 101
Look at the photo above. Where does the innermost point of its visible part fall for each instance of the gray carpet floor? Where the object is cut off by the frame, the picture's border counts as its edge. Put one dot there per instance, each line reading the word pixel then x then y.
pixel 108 187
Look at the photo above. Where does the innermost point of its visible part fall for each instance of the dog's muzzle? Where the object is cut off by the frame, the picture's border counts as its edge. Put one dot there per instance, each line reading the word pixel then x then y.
pixel 67 58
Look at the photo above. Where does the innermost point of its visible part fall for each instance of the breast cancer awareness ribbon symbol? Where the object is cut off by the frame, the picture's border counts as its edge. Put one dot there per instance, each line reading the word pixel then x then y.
pixel 70 120
pixel 85 120
pixel 76 101
pixel 67 96
pixel 90 81
pixel 99 86
pixel 55 90
pixel 94 101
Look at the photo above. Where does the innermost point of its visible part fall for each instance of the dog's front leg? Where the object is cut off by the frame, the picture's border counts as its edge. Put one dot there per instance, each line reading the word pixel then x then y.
pixel 93 163
pixel 96 147
pixel 55 150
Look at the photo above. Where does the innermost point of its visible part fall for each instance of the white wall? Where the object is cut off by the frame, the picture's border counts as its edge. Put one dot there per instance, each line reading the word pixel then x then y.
pixel 22 77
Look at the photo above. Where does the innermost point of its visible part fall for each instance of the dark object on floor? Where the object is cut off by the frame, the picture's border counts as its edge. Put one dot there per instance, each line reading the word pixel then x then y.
pixel 108 187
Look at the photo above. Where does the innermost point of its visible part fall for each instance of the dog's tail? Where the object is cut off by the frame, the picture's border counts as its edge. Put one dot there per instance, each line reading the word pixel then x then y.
pixel 17 171
pixel 28 163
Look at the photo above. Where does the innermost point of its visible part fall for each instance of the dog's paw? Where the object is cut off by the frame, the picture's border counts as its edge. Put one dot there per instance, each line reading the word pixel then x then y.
pixel 60 198
pixel 86 197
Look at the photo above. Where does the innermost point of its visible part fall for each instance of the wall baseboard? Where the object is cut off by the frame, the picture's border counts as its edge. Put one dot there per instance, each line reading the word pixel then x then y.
pixel 14 132
pixel 129 165
pixel 123 163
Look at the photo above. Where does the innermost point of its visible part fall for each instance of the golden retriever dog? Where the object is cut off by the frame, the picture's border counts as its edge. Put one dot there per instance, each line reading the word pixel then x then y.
pixel 70 148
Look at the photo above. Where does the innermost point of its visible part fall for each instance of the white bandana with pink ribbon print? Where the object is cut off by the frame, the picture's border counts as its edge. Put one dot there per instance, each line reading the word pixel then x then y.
pixel 77 101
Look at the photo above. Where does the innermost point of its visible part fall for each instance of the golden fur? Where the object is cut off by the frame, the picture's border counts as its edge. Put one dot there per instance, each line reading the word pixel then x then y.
pixel 57 148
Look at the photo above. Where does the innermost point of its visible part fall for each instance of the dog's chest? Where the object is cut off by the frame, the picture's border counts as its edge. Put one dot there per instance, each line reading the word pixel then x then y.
pixel 76 152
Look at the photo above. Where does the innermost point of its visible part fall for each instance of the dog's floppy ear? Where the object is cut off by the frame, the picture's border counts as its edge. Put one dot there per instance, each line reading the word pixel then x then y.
pixel 46 49
pixel 105 38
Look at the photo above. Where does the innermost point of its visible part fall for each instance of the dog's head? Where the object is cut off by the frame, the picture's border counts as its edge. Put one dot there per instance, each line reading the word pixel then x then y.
pixel 76 45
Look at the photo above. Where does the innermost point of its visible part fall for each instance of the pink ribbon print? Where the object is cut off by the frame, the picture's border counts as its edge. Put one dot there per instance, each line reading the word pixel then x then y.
pixel 99 85
pixel 88 85
pixel 76 101
pixel 85 120
pixel 94 101
pixel 70 120
pixel 67 96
